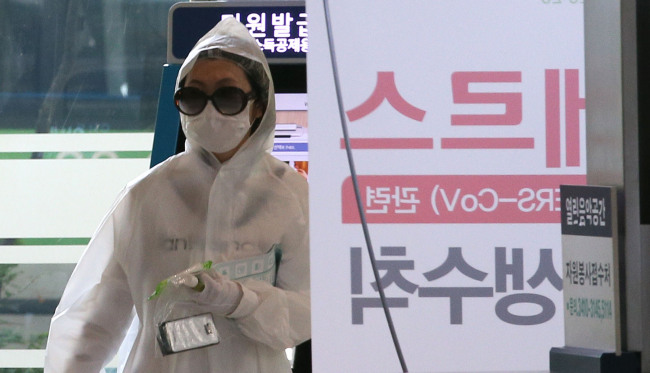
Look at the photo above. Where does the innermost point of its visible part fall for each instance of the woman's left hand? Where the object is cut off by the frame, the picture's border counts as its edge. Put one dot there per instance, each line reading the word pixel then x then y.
pixel 220 293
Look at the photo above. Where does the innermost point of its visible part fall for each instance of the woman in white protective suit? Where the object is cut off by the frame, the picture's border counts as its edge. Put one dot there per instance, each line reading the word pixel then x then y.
pixel 225 200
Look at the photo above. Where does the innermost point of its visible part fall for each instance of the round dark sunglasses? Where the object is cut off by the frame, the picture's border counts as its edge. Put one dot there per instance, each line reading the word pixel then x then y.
pixel 227 100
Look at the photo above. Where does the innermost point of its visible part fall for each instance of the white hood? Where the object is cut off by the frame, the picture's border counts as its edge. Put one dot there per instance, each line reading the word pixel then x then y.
pixel 231 36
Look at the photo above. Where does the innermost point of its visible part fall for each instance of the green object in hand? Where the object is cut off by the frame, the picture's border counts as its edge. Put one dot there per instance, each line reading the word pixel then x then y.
pixel 162 285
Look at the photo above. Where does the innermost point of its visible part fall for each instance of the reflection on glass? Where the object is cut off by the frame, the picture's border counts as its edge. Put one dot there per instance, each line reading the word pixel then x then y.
pixel 29 293
pixel 81 65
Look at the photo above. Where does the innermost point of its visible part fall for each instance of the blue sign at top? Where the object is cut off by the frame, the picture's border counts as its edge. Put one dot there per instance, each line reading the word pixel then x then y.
pixel 280 28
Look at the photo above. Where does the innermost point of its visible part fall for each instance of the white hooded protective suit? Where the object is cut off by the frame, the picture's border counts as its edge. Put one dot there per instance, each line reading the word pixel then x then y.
pixel 189 209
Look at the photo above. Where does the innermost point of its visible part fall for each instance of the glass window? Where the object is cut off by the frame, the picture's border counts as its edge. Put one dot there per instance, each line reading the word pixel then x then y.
pixel 81 65
pixel 70 71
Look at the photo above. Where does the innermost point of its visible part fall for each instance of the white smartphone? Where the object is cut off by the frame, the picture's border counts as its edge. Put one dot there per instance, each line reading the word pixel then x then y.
pixel 187 333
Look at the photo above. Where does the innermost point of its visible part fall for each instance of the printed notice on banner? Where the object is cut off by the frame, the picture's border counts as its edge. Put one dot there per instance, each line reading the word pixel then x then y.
pixel 590 267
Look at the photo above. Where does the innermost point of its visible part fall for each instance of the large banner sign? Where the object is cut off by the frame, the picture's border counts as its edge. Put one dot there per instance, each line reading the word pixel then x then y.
pixel 464 117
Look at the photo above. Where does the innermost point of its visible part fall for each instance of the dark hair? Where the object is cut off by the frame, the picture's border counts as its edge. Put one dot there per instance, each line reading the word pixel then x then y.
pixel 254 72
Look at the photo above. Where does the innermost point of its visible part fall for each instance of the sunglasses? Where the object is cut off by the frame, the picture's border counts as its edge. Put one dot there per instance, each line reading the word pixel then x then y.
pixel 227 100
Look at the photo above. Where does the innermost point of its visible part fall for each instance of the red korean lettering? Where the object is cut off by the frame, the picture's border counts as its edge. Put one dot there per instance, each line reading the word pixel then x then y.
pixel 460 82
pixel 386 90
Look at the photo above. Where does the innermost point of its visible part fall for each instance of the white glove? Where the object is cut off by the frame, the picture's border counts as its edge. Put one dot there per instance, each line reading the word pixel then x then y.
pixel 187 277
pixel 221 294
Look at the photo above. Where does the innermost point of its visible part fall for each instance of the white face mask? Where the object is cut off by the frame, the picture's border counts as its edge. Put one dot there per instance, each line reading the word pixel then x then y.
pixel 215 132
